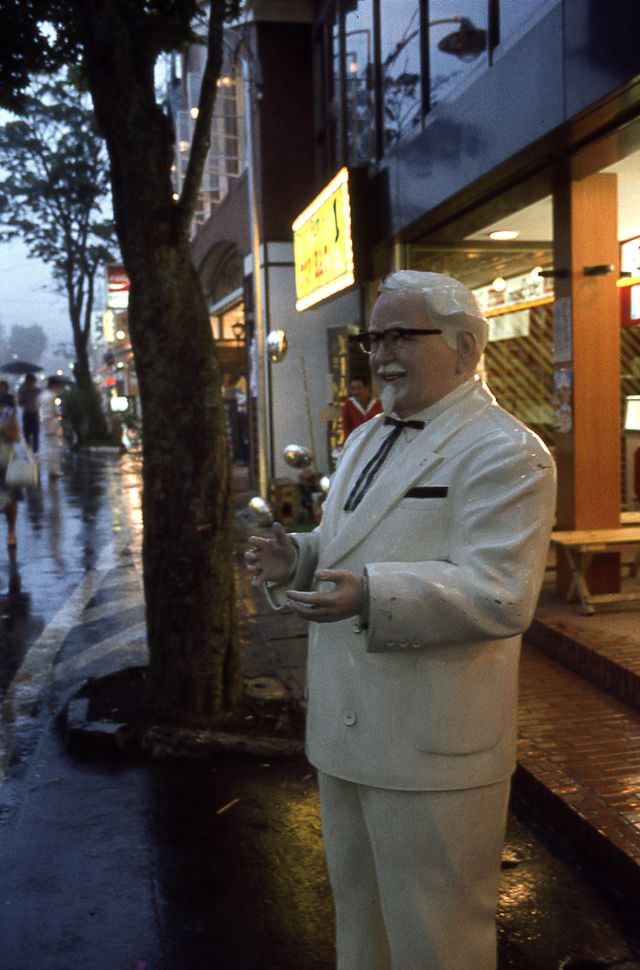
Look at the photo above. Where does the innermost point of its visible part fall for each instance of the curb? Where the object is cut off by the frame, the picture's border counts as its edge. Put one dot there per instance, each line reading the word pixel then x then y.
pixel 592 664
pixel 263 695
pixel 613 870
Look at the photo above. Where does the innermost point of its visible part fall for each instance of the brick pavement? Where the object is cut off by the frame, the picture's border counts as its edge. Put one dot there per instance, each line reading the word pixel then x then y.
pixel 579 766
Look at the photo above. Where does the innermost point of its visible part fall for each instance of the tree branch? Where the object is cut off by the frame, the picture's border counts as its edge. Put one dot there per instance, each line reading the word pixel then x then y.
pixel 202 132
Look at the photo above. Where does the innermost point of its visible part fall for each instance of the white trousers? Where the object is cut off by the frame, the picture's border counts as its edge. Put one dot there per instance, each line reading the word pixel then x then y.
pixel 415 875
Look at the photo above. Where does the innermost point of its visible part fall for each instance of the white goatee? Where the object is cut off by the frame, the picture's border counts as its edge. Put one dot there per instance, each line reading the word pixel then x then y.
pixel 388 399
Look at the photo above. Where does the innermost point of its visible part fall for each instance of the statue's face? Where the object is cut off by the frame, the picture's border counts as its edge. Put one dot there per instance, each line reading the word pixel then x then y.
pixel 414 371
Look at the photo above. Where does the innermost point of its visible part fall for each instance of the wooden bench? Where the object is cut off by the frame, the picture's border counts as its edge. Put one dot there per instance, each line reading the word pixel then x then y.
pixel 579 548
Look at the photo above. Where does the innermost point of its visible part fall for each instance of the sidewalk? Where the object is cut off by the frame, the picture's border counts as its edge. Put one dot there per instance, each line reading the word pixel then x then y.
pixel 579 724
pixel 579 754
pixel 579 718
pixel 173 863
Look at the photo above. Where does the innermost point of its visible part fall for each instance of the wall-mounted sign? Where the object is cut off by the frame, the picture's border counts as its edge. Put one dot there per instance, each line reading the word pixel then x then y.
pixel 515 293
pixel 108 326
pixel 563 400
pixel 562 330
pixel 323 244
pixel 630 257
pixel 117 287
pixel 630 283
pixel 509 325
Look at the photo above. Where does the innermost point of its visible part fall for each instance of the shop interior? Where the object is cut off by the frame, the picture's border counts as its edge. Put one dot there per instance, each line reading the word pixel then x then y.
pixel 506 263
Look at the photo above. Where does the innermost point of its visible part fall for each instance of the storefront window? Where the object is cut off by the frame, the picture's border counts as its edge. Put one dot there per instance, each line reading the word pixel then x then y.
pixel 457 44
pixel 401 69
pixel 223 324
pixel 503 264
pixel 358 73
pixel 628 191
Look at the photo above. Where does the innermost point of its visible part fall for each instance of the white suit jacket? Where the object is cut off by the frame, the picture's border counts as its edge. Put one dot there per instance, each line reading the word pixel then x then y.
pixel 425 698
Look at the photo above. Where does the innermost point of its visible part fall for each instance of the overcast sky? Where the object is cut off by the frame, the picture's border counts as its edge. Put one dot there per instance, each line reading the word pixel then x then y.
pixel 28 295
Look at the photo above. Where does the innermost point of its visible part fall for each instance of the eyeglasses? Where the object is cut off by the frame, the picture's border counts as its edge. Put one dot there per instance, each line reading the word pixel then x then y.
pixel 371 340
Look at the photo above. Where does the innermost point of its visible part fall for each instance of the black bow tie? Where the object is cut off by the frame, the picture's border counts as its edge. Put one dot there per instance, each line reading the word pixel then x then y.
pixel 370 470
pixel 418 425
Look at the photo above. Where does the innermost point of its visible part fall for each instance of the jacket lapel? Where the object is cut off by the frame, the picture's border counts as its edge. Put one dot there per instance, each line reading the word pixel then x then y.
pixel 388 488
pixel 428 451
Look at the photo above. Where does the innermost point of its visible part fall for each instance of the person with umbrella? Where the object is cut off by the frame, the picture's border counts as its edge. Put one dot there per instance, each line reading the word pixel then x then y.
pixel 28 399
pixel 9 434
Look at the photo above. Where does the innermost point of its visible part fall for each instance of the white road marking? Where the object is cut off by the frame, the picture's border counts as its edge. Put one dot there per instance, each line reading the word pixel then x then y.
pixel 36 670
pixel 132 640
pixel 115 607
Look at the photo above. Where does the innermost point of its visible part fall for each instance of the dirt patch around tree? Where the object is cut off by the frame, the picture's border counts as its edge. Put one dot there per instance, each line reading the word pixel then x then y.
pixel 114 711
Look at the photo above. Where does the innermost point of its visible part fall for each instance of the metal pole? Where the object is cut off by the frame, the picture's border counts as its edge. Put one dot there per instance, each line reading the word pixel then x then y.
pixel 307 400
pixel 259 310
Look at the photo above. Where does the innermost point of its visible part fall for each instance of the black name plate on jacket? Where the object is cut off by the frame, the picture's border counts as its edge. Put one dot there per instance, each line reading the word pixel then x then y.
pixel 428 491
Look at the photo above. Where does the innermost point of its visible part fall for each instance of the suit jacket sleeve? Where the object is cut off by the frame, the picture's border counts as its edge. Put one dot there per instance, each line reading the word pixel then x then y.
pixel 488 585
pixel 306 544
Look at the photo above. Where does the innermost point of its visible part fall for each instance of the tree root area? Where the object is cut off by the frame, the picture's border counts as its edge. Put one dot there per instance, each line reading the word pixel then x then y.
pixel 118 706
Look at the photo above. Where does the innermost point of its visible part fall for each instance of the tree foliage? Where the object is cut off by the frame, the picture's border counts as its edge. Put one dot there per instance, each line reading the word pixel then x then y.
pixel 187 507
pixel 53 198
pixel 42 36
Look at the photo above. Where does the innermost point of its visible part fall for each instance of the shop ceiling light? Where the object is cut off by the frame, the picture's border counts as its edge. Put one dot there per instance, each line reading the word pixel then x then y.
pixel 499 284
pixel 504 234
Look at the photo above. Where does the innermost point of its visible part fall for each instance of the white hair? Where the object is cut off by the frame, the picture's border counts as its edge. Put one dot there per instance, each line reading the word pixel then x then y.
pixel 450 304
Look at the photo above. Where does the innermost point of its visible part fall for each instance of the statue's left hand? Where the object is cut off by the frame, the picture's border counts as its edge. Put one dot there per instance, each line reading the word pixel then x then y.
pixel 344 600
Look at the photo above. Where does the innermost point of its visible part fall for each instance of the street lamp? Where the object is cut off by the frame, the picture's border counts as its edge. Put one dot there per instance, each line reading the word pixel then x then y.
pixel 466 43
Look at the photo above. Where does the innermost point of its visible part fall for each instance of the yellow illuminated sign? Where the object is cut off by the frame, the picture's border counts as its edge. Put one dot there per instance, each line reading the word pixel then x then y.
pixel 322 244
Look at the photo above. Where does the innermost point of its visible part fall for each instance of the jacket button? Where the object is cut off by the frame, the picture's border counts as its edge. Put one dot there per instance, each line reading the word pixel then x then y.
pixel 403 644
pixel 349 718
pixel 416 644
pixel 391 644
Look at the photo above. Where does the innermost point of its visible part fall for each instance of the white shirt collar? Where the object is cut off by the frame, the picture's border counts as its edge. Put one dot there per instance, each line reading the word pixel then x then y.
pixel 434 410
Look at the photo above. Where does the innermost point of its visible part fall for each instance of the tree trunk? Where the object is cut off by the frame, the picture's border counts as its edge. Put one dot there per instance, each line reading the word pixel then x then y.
pixel 93 427
pixel 188 555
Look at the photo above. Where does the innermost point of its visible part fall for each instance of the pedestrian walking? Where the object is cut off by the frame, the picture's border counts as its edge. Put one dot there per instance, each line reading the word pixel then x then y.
pixel 418 584
pixel 28 399
pixel 52 426
pixel 9 434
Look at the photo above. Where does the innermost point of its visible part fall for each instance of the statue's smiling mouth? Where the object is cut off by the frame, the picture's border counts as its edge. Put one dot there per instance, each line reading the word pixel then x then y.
pixel 392 374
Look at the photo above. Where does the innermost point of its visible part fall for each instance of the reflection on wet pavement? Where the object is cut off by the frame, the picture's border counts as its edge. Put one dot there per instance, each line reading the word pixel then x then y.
pixel 64 526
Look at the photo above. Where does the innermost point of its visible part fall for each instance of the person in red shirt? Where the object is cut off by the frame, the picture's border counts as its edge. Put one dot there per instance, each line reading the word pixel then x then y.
pixel 360 406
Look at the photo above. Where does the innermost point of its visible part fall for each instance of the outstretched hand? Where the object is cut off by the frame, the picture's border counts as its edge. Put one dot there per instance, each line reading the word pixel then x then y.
pixel 270 559
pixel 344 600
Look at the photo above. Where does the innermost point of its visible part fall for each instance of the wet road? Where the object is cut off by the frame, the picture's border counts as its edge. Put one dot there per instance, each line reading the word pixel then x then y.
pixel 114 864
pixel 69 531
pixel 183 865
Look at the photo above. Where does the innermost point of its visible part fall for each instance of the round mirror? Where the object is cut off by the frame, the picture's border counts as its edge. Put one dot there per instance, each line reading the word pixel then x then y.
pixel 276 345
pixel 262 511
pixel 297 456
